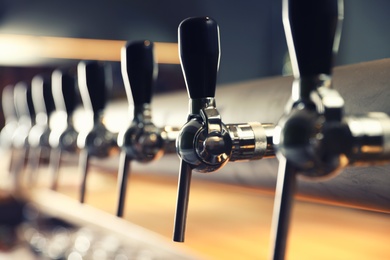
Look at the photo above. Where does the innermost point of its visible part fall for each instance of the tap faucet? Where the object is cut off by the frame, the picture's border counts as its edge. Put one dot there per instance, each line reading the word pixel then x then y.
pixel 63 137
pixel 142 141
pixel 314 138
pixel 38 137
pixel 98 141
pixel 11 121
pixel 205 143
pixel 26 117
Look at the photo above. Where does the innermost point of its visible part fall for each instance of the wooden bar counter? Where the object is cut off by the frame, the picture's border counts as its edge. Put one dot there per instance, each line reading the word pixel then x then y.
pixel 232 222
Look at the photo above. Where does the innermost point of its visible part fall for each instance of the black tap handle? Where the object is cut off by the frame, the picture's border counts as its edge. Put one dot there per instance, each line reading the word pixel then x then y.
pixel 42 95
pixel 7 102
pixel 139 70
pixel 313 31
pixel 199 55
pixel 64 91
pixel 92 85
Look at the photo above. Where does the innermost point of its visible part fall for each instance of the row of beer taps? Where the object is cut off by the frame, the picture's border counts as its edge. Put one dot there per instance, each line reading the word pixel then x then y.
pixel 27 111
pixel 313 138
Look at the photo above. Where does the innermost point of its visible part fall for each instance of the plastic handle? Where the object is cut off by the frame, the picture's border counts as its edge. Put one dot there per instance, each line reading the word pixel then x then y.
pixel 92 84
pixel 139 70
pixel 42 95
pixel 313 31
pixel 199 55
pixel 64 91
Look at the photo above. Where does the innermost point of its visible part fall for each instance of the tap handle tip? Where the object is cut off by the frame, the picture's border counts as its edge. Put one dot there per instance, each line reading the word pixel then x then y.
pixel 313 31
pixel 92 85
pixel 139 70
pixel 199 51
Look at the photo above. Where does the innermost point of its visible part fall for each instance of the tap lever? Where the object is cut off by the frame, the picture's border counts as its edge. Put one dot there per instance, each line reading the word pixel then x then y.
pixel 313 32
pixel 199 49
pixel 93 86
pixel 139 71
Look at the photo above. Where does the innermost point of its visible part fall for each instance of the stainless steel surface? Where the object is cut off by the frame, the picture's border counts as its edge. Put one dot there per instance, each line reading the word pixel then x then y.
pixel 283 203
pixel 183 196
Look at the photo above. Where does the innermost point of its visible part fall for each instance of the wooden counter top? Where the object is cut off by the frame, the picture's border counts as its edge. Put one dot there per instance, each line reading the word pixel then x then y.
pixel 230 222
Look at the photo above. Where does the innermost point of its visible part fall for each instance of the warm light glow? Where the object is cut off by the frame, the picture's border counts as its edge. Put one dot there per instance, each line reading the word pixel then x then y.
pixel 30 50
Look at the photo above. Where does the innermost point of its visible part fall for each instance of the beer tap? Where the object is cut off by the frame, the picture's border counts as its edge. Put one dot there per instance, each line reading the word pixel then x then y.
pixel 11 121
pixel 38 137
pixel 62 138
pixel 205 143
pixel 98 141
pixel 314 138
pixel 142 141
pixel 25 114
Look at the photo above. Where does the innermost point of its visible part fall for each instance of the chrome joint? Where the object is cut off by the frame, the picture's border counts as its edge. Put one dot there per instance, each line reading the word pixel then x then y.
pixel 196 105
pixel 371 136
pixel 250 141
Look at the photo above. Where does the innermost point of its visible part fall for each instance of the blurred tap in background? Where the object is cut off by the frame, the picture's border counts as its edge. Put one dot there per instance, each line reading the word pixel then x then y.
pixel 63 137
pixel 38 137
pixel 141 141
pixel 26 119
pixel 97 141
